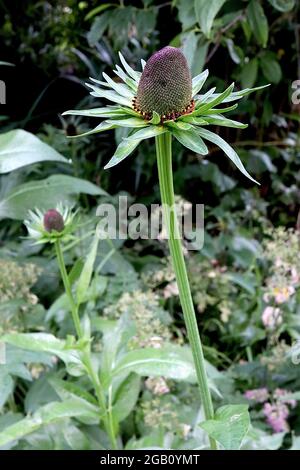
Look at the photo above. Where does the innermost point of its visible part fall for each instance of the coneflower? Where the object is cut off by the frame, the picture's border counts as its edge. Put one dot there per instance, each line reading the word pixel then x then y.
pixel 163 102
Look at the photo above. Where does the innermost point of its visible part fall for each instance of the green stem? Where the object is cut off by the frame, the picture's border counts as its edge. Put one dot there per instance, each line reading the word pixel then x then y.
pixel 87 360
pixel 164 162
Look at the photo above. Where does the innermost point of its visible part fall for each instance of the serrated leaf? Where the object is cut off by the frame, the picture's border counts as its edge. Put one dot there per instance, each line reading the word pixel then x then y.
pixel 19 148
pixel 229 426
pixel 227 149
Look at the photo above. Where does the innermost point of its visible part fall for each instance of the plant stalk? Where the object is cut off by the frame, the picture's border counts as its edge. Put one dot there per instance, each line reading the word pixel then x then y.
pixel 87 360
pixel 164 163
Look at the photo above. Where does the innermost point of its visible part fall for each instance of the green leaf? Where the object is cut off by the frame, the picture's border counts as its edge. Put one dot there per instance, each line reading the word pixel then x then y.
pixel 191 140
pixel 86 273
pixel 126 397
pixel 227 149
pixel 271 68
pixel 103 126
pixel 19 148
pixel 199 81
pixel 124 149
pixel 109 95
pixel 206 11
pixel 147 133
pixel 220 110
pixel 283 5
pixel 249 73
pixel 44 342
pixel 97 10
pixel 155 118
pixel 258 22
pixel 229 426
pixel 123 90
pixel 104 112
pixel 219 120
pixel 47 414
pixel 132 73
pixel 215 101
pixel 130 122
pixel 170 361
pixel 44 194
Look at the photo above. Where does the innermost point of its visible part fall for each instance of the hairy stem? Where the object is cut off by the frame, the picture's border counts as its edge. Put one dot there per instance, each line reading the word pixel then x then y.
pixel 87 359
pixel 164 162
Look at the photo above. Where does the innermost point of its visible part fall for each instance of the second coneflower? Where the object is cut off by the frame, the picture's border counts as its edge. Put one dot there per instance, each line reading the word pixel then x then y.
pixel 163 101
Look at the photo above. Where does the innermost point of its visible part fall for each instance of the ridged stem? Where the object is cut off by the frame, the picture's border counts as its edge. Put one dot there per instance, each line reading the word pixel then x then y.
pixel 164 163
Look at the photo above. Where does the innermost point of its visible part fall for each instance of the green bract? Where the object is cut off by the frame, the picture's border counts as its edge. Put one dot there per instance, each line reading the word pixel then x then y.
pixel 147 92
pixel 45 229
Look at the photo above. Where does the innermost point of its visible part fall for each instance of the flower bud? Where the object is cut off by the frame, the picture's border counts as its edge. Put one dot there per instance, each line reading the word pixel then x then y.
pixel 165 85
pixel 53 220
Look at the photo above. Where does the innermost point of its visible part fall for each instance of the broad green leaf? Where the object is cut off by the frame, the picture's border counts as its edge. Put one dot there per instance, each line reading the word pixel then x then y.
pixel 50 413
pixel 191 140
pixel 258 22
pixel 124 149
pixel 206 11
pixel 19 148
pixel 44 194
pixel 102 127
pixel 126 397
pixel 283 5
pixel 227 149
pixel 44 342
pixel 229 426
pixel 271 68
pixel 199 81
pixel 169 361
pixel 87 272
pixel 249 73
